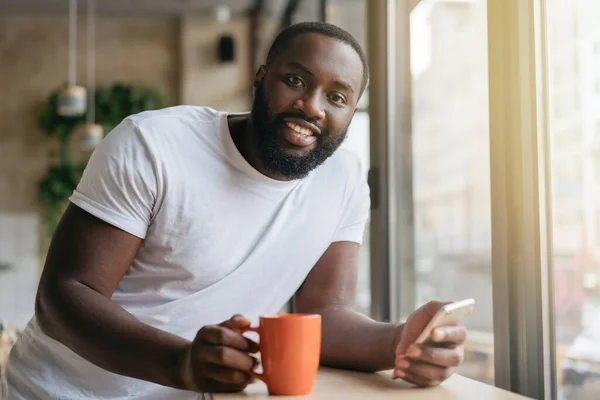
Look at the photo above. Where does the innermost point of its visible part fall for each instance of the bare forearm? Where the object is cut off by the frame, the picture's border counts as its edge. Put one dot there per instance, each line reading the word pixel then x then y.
pixel 353 341
pixel 108 336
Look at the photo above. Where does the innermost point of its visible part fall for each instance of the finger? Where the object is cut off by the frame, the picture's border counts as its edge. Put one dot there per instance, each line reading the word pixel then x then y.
pixel 219 335
pixel 212 386
pixel 432 307
pixel 416 323
pixel 236 322
pixel 227 375
pixel 414 379
pixel 450 334
pixel 429 372
pixel 443 357
pixel 227 357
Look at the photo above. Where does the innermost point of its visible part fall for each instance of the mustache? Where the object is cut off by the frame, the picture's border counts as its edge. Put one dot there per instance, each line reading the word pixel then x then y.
pixel 280 117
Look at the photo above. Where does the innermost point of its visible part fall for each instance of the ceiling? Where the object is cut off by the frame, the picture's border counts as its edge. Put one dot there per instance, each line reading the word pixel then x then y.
pixel 149 7
pixel 128 7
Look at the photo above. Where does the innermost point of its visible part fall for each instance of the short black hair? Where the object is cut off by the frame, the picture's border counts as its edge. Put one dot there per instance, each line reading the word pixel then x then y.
pixel 323 28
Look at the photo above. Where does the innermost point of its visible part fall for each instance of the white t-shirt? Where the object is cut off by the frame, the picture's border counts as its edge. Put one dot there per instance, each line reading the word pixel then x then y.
pixel 220 238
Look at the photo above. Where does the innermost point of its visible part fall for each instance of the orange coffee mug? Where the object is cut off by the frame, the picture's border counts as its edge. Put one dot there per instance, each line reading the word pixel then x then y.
pixel 290 349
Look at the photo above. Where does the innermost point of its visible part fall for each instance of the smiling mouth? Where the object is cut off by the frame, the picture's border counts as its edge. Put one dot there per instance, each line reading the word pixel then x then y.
pixel 299 129
pixel 298 136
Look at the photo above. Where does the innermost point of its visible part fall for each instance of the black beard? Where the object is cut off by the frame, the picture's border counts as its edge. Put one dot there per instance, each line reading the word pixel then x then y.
pixel 276 160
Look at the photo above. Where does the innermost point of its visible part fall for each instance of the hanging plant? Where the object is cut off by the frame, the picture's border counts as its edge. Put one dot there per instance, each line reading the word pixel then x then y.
pixel 56 187
pixel 112 104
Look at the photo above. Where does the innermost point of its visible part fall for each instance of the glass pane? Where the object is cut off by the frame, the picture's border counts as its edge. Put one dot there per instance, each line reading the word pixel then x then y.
pixel 357 141
pixel 351 16
pixel 451 175
pixel 573 36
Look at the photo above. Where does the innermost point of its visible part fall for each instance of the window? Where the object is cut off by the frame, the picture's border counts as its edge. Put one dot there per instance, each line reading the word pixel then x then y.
pixel 565 138
pixel 357 141
pixel 351 16
pixel 567 181
pixel 576 211
pixel 452 238
pixel 597 169
pixel 453 172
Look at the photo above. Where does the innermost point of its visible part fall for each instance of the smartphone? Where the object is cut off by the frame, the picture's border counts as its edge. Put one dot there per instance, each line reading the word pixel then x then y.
pixel 450 314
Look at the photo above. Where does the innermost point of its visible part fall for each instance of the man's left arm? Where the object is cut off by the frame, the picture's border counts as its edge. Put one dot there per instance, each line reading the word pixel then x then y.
pixel 353 341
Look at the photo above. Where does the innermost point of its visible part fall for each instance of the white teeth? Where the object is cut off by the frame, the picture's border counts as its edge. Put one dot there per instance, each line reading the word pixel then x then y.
pixel 299 129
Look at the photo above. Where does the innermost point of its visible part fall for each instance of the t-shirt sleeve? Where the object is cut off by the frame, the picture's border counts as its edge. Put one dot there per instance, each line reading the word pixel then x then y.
pixel 355 215
pixel 119 184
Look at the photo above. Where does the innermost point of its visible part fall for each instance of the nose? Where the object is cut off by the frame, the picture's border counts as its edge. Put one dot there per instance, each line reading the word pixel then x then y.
pixel 311 104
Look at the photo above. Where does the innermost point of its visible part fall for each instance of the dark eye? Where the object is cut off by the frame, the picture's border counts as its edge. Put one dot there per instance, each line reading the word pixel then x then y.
pixel 337 98
pixel 293 80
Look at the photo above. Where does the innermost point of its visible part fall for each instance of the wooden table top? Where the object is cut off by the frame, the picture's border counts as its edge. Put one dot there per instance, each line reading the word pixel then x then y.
pixel 332 384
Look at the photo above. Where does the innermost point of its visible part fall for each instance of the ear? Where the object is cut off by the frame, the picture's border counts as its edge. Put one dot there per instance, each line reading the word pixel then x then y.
pixel 260 75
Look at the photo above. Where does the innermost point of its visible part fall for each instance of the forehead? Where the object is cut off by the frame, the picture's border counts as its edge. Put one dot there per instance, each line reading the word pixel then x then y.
pixel 327 57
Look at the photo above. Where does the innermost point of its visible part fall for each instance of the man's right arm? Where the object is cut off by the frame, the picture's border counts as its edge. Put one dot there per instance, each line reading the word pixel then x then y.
pixel 86 260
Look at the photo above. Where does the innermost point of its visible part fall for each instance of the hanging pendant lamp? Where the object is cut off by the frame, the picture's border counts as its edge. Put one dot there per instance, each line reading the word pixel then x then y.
pixel 72 100
pixel 91 133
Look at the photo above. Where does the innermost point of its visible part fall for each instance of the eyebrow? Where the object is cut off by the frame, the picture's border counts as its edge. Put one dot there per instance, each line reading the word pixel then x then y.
pixel 307 71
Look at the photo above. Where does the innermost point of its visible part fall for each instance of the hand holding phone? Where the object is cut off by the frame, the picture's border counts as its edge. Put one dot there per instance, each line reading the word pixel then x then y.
pixel 427 359
pixel 449 315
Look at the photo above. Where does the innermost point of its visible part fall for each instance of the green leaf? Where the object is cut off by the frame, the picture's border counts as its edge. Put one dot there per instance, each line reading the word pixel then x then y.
pixel 112 104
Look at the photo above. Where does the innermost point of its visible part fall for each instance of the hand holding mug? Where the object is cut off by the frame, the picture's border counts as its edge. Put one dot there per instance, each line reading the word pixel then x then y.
pixel 219 360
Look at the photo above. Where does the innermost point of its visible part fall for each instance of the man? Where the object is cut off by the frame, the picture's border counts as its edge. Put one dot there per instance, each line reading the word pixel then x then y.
pixel 187 216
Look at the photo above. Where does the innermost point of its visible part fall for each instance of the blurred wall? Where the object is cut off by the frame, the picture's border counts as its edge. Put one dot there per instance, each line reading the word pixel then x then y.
pixel 176 56
pixel 204 79
pixel 33 62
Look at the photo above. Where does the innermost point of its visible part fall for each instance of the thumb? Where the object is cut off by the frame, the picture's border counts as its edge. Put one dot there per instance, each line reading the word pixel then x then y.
pixel 415 324
pixel 236 322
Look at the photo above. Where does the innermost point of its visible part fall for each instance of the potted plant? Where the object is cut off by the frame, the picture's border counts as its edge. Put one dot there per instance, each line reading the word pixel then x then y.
pixel 112 104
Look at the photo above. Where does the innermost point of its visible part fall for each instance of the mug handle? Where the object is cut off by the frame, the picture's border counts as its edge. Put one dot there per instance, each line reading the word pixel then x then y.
pixel 252 373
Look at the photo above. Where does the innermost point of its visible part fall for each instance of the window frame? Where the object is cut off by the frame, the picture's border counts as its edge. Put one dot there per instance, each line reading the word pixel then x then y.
pixel 524 343
pixel 521 198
